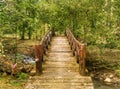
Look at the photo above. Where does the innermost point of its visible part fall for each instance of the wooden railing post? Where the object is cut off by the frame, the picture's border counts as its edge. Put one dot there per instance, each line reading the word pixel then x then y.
pixel 79 50
pixel 38 58
pixel 40 50
pixel 82 59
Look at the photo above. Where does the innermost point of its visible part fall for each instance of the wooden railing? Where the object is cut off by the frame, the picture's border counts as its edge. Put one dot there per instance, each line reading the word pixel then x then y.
pixel 40 50
pixel 79 50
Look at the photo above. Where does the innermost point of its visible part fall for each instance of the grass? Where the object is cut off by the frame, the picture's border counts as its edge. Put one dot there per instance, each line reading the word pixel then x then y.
pixel 110 58
pixel 17 82
pixel 21 76
pixel 13 82
pixel 112 55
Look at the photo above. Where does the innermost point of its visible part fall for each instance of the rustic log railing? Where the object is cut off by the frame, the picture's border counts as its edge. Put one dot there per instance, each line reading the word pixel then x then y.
pixel 79 50
pixel 40 50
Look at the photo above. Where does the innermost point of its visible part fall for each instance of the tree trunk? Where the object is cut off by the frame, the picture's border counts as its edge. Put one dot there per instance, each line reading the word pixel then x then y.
pixel 23 34
pixel 84 39
pixel 29 34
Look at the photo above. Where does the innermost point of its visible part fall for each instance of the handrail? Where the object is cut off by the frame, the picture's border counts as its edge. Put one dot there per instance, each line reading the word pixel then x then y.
pixel 78 49
pixel 40 50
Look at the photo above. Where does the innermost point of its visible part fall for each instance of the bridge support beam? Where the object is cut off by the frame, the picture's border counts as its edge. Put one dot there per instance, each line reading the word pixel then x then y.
pixel 82 59
pixel 38 58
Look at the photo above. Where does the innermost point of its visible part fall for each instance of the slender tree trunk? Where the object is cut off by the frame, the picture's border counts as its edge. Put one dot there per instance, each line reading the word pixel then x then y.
pixel 85 27
pixel 29 34
pixel 84 39
pixel 23 34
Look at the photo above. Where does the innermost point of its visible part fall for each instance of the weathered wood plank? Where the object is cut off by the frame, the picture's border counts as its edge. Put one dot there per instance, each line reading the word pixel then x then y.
pixel 60 70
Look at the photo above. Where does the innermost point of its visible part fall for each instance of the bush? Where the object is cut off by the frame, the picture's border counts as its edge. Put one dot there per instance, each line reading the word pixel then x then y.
pixel 111 45
pixel 21 75
pixel 118 73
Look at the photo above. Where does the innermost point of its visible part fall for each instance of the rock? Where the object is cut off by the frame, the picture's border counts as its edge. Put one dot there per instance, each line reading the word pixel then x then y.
pixel 92 75
pixel 26 68
pixel 27 59
pixel 4 74
pixel 32 73
pixel 69 70
pixel 101 79
pixel 29 86
pixel 108 80
pixel 111 76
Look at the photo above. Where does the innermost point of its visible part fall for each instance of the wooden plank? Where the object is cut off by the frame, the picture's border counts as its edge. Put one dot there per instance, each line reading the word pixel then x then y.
pixel 60 70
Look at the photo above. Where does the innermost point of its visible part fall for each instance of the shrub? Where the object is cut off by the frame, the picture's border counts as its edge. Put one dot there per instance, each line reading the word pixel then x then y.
pixel 21 75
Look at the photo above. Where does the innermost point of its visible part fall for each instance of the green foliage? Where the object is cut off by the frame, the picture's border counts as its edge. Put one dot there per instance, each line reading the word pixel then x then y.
pixel 111 44
pixel 0 73
pixel 118 73
pixel 15 82
pixel 21 76
pixel 91 21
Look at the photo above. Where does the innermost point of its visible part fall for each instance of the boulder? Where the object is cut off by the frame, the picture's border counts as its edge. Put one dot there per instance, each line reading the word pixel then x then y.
pixel 108 81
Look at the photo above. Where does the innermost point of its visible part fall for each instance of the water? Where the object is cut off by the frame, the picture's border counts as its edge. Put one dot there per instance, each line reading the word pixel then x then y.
pixel 28 59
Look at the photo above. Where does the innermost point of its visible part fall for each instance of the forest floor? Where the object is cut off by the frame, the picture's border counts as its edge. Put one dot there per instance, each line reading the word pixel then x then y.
pixel 25 47
pixel 7 82
pixel 103 68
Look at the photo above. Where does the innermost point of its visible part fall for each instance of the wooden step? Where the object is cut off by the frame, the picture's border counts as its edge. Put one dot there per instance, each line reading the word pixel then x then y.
pixel 59 64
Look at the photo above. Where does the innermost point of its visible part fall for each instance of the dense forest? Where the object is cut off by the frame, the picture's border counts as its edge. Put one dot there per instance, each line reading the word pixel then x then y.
pixel 93 22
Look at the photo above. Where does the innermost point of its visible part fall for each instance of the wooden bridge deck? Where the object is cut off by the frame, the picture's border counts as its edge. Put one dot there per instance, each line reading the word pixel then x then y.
pixel 60 70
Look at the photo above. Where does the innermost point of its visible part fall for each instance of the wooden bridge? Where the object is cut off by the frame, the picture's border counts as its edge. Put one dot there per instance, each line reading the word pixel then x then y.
pixel 60 64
